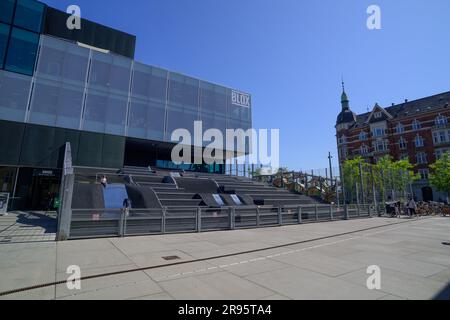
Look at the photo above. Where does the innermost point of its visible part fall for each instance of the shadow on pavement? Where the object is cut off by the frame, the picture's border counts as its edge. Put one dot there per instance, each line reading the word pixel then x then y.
pixel 444 294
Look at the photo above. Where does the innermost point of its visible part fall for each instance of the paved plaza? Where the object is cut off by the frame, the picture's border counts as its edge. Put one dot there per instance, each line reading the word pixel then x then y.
pixel 414 263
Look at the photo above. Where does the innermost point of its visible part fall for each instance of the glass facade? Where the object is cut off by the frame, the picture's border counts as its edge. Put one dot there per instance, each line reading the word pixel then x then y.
pixel 4 35
pixel 21 23
pixel 7 11
pixel 29 15
pixel 14 92
pixel 78 88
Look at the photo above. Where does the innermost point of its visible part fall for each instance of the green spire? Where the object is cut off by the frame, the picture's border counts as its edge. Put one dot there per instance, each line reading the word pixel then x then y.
pixel 344 99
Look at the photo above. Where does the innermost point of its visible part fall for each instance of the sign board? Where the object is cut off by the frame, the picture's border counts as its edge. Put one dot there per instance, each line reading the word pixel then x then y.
pixel 240 99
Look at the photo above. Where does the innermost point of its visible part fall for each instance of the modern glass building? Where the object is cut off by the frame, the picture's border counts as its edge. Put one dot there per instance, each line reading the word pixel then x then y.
pixel 84 87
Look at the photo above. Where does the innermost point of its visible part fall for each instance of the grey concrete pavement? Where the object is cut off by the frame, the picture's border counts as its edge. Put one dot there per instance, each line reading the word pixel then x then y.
pixel 414 263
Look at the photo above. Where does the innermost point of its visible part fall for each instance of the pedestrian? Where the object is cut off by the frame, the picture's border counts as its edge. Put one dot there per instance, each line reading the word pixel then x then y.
pixel 126 206
pixel 104 181
pixel 397 210
pixel 412 207
pixel 49 202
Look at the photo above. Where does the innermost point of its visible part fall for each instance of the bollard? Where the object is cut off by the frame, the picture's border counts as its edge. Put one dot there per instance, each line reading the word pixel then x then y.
pixel 316 212
pixel 331 213
pixel 346 212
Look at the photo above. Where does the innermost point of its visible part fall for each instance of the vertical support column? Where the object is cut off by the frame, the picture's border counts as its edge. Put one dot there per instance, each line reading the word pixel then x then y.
pixel 163 221
pixel 232 220
pixel 65 211
pixel 300 215
pixel 66 192
pixel 258 221
pixel 362 183
pixel 280 216
pixel 199 219
pixel 122 224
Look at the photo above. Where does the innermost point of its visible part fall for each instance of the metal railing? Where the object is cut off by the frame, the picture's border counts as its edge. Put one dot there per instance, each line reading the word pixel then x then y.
pixel 92 223
pixel 4 201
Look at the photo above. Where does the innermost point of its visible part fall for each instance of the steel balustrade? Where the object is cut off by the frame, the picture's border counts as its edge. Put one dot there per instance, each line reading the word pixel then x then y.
pixel 94 223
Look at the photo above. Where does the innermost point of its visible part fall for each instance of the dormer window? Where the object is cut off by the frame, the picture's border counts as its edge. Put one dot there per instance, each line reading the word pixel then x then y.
pixel 399 128
pixel 377 115
pixel 441 120
pixel 416 125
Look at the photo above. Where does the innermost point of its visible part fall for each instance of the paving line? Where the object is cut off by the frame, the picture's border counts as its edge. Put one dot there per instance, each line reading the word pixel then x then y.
pixel 280 254
pixel 44 285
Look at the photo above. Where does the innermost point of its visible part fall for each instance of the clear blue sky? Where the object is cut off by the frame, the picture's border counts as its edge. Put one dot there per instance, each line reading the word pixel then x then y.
pixel 290 55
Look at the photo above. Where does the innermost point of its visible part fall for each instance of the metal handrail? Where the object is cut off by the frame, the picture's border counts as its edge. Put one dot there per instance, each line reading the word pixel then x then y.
pixel 198 219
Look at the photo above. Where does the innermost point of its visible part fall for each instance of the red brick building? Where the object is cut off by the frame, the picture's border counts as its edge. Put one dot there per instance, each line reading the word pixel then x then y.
pixel 418 130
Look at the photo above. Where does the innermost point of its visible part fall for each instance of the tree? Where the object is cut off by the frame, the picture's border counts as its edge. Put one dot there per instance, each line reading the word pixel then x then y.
pixel 387 177
pixel 440 173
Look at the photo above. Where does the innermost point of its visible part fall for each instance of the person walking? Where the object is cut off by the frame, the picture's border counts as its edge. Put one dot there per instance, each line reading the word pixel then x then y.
pixel 397 210
pixel 412 207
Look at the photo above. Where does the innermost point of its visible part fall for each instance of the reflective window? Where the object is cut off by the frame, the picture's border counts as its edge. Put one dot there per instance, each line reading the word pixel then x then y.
pixel 213 106
pixel 149 83
pixel 56 104
pixel 62 61
pixel 146 120
pixel 29 15
pixel 183 103
pixel 180 118
pixel 6 10
pixel 105 113
pixel 183 90
pixel 4 34
pixel 22 51
pixel 110 73
pixel 14 92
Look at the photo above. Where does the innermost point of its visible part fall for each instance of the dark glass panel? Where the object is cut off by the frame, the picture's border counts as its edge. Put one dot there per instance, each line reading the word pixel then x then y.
pixel 10 141
pixel 29 15
pixel 4 34
pixel 22 51
pixel 6 10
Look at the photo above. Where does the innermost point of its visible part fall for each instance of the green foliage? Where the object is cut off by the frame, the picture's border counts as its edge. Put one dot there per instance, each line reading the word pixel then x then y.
pixel 385 175
pixel 440 175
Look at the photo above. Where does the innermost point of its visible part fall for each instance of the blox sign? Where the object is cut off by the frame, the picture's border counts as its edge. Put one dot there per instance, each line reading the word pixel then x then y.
pixel 240 99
